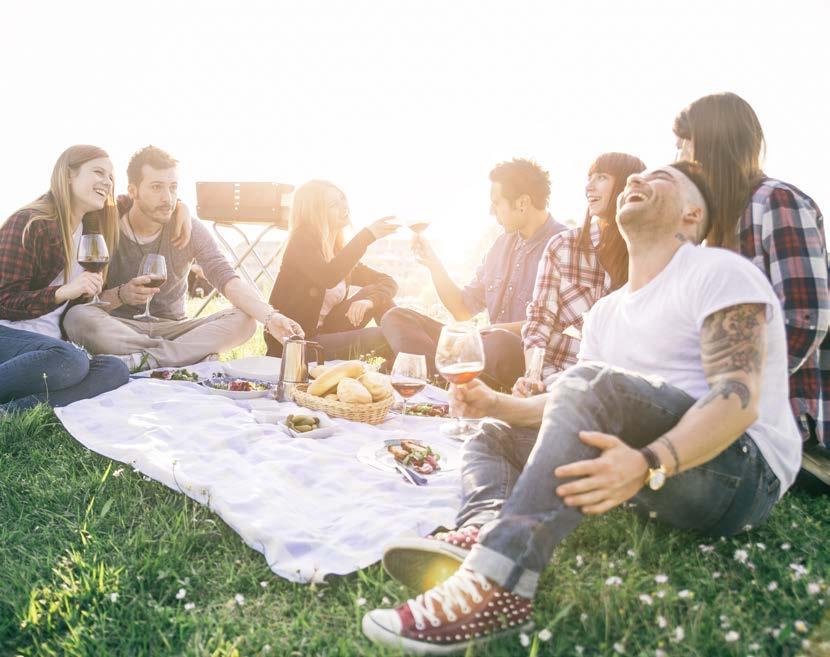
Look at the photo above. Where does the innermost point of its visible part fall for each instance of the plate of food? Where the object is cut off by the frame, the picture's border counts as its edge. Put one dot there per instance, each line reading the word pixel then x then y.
pixel 425 409
pixel 237 387
pixel 169 374
pixel 417 455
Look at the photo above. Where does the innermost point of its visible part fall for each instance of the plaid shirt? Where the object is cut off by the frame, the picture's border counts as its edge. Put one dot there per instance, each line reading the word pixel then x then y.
pixel 567 285
pixel 27 267
pixel 782 232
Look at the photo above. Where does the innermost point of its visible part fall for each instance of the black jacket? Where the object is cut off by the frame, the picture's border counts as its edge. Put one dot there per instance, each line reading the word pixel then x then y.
pixel 305 276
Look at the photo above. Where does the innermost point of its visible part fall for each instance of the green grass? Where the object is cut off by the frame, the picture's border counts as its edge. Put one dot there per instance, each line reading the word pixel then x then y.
pixel 77 530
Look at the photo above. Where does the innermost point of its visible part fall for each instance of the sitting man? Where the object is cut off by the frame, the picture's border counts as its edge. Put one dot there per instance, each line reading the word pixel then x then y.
pixel 175 340
pixel 503 284
pixel 678 401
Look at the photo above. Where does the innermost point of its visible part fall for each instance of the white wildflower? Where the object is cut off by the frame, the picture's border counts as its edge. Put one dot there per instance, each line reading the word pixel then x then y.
pixel 660 653
pixel 524 639
pixel 189 606
pixel 264 584
pixel 731 636
pixel 652 514
pixel 646 599
pixel 661 593
pixel 583 617
pixel 806 643
pixel 113 597
pixel 661 579
pixel 385 601
pixel 775 633
pixel 755 646
pixel 716 575
pixel 579 649
pixel 662 622
pixel 240 599
pixel 741 555
pixel 772 586
pixel 631 553
pixel 785 546
pixel 545 635
pixel 706 549
pixel 360 602
pixel 813 588
pixel 118 472
pixel 613 581
pixel 685 593
pixel 761 546
pixel 266 647
pixel 619 648
pixel 579 561
pixel 180 595
pixel 799 570
pixel 679 634
pixel 800 627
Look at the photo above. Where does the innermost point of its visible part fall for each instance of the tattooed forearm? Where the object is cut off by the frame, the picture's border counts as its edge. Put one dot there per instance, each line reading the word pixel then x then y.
pixel 670 446
pixel 732 340
pixel 724 389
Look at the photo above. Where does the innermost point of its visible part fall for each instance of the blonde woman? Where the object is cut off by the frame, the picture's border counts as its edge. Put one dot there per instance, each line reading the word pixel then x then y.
pixel 318 268
pixel 40 277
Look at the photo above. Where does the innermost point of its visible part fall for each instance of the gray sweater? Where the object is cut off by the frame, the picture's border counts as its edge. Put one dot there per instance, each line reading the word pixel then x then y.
pixel 169 301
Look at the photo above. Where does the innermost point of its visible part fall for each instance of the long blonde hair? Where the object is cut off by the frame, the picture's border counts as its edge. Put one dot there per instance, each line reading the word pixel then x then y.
pixel 309 210
pixel 56 204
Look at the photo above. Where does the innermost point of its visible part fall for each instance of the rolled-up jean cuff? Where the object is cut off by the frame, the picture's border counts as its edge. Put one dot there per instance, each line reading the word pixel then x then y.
pixel 503 571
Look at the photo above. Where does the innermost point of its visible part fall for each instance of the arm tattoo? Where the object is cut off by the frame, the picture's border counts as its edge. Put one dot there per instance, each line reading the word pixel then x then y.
pixel 681 237
pixel 670 446
pixel 732 348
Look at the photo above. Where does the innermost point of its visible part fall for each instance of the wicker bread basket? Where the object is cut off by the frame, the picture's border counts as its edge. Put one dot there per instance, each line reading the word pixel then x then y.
pixel 373 413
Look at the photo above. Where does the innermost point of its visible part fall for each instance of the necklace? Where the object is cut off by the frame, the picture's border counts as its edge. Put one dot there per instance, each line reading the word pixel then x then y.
pixel 138 243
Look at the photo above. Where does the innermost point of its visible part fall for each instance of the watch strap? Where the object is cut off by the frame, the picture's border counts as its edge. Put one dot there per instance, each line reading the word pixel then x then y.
pixel 650 457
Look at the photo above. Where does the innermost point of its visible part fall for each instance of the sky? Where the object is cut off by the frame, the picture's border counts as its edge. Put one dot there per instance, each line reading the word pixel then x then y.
pixel 404 105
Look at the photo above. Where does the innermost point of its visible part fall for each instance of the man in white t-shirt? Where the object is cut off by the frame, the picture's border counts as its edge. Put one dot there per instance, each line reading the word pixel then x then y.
pixel 679 402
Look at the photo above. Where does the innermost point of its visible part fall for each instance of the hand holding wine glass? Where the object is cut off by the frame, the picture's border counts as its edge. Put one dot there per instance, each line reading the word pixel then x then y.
pixel 154 266
pixel 93 256
pixel 409 375
pixel 459 358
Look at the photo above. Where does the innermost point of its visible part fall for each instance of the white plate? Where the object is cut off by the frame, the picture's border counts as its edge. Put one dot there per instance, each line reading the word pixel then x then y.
pixel 327 427
pixel 264 368
pixel 236 394
pixel 376 455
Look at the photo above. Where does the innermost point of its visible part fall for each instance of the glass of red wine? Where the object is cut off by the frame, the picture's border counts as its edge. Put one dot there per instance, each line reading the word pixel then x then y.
pixel 418 226
pixel 459 358
pixel 93 256
pixel 154 266
pixel 409 375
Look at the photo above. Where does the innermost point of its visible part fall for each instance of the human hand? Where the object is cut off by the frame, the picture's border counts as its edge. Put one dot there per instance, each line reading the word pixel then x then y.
pixel 84 284
pixel 424 252
pixel 182 225
pixel 471 400
pixel 381 228
pixel 357 310
pixel 525 387
pixel 137 291
pixel 282 327
pixel 608 480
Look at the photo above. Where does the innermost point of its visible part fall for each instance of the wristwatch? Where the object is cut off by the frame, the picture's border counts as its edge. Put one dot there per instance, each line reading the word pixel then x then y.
pixel 656 476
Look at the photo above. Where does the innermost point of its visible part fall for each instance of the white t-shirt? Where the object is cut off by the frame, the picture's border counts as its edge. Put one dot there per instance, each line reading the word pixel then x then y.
pixel 49 324
pixel 333 296
pixel 656 331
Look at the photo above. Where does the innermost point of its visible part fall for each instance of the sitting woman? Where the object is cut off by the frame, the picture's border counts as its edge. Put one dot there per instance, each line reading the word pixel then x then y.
pixel 314 283
pixel 578 267
pixel 40 276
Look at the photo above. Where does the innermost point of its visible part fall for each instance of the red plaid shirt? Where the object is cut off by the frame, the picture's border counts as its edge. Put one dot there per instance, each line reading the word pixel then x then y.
pixel 568 283
pixel 782 232
pixel 28 267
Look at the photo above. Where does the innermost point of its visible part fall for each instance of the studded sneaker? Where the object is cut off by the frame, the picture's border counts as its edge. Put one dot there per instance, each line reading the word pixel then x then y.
pixel 421 563
pixel 443 621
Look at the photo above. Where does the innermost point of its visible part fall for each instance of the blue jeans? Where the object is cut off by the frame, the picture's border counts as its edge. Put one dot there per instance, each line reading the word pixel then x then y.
pixel 36 369
pixel 509 485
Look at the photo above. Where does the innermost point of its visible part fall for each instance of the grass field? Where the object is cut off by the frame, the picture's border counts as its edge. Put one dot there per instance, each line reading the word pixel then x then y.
pixel 97 560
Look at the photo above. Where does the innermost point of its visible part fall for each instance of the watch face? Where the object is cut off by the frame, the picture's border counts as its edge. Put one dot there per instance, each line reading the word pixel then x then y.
pixel 656 480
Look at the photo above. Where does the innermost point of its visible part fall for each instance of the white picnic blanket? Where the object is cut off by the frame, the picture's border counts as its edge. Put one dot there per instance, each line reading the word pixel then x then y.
pixel 308 505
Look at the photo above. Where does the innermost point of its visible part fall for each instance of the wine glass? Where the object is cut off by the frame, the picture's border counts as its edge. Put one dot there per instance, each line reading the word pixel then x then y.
pixel 417 226
pixel 459 358
pixel 154 266
pixel 409 375
pixel 93 256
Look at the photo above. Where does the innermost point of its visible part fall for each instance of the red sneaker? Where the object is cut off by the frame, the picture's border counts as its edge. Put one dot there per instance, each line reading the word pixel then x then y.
pixel 421 563
pixel 443 621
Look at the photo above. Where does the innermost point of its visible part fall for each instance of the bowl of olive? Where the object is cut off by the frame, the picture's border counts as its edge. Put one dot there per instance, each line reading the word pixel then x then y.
pixel 309 426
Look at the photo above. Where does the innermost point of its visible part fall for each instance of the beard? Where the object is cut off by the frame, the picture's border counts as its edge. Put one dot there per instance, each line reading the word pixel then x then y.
pixel 159 214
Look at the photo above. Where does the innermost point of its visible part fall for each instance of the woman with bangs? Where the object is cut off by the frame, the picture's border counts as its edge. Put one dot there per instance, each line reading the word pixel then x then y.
pixel 319 272
pixel 579 267
pixel 779 228
pixel 40 277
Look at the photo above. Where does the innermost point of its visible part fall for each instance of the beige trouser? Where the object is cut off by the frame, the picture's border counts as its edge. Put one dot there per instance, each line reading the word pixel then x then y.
pixel 171 343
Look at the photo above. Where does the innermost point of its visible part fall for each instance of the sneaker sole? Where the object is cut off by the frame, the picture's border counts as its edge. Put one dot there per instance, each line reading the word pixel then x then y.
pixel 422 563
pixel 379 634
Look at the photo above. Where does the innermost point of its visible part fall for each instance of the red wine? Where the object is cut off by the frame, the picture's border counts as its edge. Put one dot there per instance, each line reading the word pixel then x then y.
pixel 461 373
pixel 408 387
pixel 155 281
pixel 419 226
pixel 95 265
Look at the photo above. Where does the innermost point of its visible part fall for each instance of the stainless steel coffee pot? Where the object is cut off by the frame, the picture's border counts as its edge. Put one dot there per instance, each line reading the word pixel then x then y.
pixel 294 365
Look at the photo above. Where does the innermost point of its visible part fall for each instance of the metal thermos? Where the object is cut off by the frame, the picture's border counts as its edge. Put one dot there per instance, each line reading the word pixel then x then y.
pixel 294 366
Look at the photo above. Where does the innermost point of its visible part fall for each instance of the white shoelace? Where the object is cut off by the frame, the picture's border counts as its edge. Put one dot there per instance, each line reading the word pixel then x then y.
pixel 448 595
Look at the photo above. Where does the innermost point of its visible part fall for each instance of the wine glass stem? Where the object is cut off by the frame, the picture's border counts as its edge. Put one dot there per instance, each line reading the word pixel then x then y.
pixel 403 412
pixel 147 308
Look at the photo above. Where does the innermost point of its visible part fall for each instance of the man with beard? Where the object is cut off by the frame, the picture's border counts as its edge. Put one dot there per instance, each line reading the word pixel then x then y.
pixel 678 402
pixel 170 340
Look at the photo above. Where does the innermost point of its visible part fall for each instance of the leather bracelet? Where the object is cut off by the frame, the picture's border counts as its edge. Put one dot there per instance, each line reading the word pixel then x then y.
pixel 268 318
pixel 118 293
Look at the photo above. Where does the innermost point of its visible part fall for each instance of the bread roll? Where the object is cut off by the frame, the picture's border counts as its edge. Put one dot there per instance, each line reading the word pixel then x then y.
pixel 352 392
pixel 317 370
pixel 377 384
pixel 332 396
pixel 329 379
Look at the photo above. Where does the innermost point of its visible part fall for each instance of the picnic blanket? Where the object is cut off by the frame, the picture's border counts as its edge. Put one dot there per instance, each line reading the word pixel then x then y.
pixel 309 506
